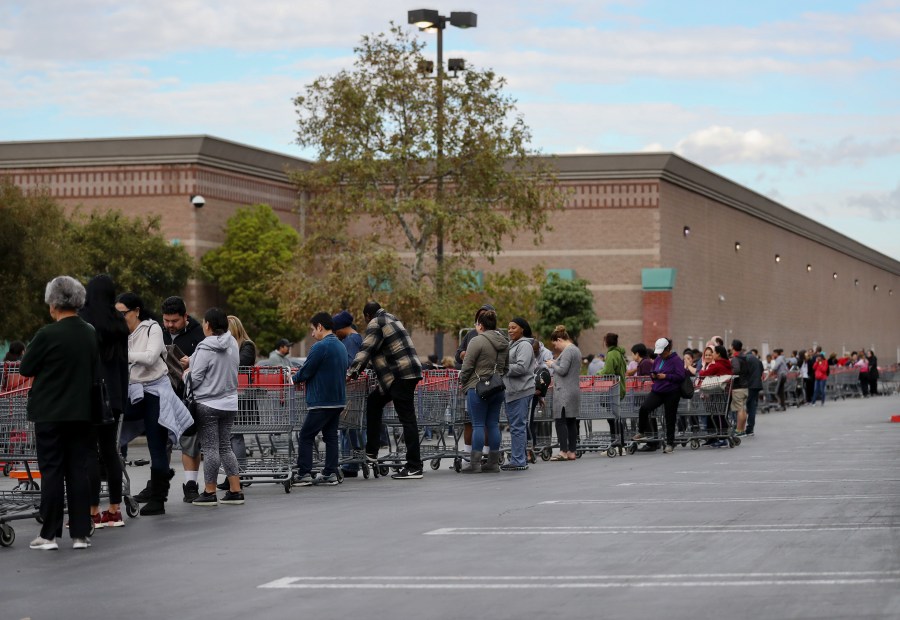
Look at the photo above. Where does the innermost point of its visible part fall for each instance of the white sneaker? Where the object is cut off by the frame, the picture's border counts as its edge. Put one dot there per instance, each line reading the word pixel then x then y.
pixel 81 543
pixel 43 544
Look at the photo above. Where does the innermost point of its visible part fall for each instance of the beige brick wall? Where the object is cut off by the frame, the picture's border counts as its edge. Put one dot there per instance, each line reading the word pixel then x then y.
pixel 781 304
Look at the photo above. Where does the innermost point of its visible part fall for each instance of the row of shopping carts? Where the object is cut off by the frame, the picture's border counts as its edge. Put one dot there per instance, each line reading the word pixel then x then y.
pixel 271 409
pixel 842 383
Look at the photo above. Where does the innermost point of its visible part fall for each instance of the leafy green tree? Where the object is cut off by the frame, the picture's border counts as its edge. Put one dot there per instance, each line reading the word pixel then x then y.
pixel 258 248
pixel 39 241
pixel 378 165
pixel 565 302
pixel 133 251
pixel 34 232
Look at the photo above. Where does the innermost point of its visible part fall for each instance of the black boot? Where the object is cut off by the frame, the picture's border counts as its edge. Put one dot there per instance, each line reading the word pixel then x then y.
pixel 159 493
pixel 144 496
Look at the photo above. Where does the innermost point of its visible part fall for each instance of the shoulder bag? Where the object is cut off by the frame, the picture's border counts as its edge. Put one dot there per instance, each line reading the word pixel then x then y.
pixel 490 385
pixel 191 403
pixel 101 411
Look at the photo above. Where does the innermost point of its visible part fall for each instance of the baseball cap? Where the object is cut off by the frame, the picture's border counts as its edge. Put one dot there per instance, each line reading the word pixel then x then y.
pixel 660 346
pixel 283 342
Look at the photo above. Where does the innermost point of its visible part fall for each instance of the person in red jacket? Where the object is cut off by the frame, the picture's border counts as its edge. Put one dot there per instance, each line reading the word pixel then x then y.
pixel 720 367
pixel 821 369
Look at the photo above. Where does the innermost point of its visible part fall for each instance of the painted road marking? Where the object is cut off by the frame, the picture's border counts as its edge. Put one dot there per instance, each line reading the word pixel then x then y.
pixel 499 582
pixel 799 498
pixel 732 483
pixel 658 529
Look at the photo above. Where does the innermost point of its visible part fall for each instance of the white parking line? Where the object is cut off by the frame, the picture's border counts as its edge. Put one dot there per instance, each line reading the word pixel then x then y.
pixel 714 500
pixel 657 529
pixel 504 582
pixel 732 483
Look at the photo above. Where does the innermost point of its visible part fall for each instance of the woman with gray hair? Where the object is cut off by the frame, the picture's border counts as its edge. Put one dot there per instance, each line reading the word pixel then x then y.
pixel 63 358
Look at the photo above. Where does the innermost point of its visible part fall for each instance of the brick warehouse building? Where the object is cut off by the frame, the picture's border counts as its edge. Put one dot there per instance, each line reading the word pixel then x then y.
pixel 668 247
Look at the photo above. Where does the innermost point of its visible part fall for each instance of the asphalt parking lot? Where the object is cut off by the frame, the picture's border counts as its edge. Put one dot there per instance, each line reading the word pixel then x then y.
pixel 801 521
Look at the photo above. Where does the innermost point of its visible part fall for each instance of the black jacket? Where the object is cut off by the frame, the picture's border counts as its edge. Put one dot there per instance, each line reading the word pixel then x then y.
pixel 188 338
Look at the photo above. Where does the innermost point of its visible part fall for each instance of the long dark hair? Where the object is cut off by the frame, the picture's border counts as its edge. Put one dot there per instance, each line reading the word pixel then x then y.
pixel 100 311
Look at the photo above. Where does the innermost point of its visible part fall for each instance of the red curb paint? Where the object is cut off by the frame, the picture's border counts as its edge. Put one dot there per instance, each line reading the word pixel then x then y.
pixel 895 418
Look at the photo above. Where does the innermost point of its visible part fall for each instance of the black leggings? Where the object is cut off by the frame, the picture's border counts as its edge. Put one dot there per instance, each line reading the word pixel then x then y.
pixel 654 400
pixel 567 432
pixel 105 437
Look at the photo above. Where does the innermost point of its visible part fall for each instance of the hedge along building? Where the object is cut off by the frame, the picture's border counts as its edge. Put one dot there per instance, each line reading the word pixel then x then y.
pixel 668 248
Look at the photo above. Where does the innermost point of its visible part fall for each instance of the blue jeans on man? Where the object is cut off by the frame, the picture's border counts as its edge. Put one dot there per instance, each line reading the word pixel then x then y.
pixel 325 421
pixel 350 443
pixel 517 413
pixel 485 416
pixel 752 406
pixel 819 390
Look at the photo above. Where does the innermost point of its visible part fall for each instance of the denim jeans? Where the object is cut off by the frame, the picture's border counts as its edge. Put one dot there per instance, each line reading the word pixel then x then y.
pixel 752 406
pixel 325 421
pixel 485 416
pixel 819 390
pixel 350 441
pixel 147 410
pixel 517 413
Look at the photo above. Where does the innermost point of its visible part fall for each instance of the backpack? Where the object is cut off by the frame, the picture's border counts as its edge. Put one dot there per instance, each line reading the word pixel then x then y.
pixel 542 378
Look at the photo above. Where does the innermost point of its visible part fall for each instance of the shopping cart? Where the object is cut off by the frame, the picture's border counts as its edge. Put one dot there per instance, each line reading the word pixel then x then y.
pixel 266 411
pixel 599 402
pixel 353 421
pixel 706 417
pixel 637 389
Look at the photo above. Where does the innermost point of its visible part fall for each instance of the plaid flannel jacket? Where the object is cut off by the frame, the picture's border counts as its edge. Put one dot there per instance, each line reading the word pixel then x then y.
pixel 387 345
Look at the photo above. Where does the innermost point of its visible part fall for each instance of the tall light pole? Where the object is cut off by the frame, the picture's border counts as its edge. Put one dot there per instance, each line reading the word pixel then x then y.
pixel 429 20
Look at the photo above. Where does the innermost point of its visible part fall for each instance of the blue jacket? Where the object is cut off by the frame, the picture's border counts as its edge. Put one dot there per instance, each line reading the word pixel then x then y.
pixel 325 373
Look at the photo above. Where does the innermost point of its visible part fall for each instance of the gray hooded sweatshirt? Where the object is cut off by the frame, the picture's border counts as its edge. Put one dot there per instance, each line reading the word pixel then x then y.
pixel 483 352
pixel 214 372
pixel 519 379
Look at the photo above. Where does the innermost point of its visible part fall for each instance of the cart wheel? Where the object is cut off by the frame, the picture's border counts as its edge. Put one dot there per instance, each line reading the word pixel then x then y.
pixel 435 464
pixel 632 448
pixel 695 444
pixel 737 441
pixel 365 471
pixel 611 452
pixel 731 443
pixel 579 454
pixel 287 486
pixel 546 453
pixel 7 535
pixel 531 458
pixel 340 475
pixel 502 458
pixel 457 464
pixel 7 468
pixel 131 507
pixel 384 470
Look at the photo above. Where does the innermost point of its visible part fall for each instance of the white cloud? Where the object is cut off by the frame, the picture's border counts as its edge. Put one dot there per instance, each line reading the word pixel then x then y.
pixel 879 206
pixel 724 145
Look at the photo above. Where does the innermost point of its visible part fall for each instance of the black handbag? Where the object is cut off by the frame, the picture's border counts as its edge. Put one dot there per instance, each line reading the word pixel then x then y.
pixel 687 387
pixel 490 385
pixel 101 410
pixel 191 403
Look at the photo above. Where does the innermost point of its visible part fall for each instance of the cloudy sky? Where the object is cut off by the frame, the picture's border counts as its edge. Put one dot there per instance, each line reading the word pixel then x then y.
pixel 798 100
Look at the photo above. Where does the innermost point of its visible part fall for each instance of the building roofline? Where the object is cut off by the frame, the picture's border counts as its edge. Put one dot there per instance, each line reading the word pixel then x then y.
pixel 242 158
pixel 188 149
pixel 684 173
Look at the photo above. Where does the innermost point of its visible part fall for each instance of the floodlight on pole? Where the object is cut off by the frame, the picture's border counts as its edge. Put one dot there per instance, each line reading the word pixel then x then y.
pixel 431 20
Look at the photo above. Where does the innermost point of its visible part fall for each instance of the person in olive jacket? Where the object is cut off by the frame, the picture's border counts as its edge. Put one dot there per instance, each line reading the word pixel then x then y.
pixel 63 358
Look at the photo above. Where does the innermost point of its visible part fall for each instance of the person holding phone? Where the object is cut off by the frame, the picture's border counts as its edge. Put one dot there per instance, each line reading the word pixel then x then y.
pixel 668 373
